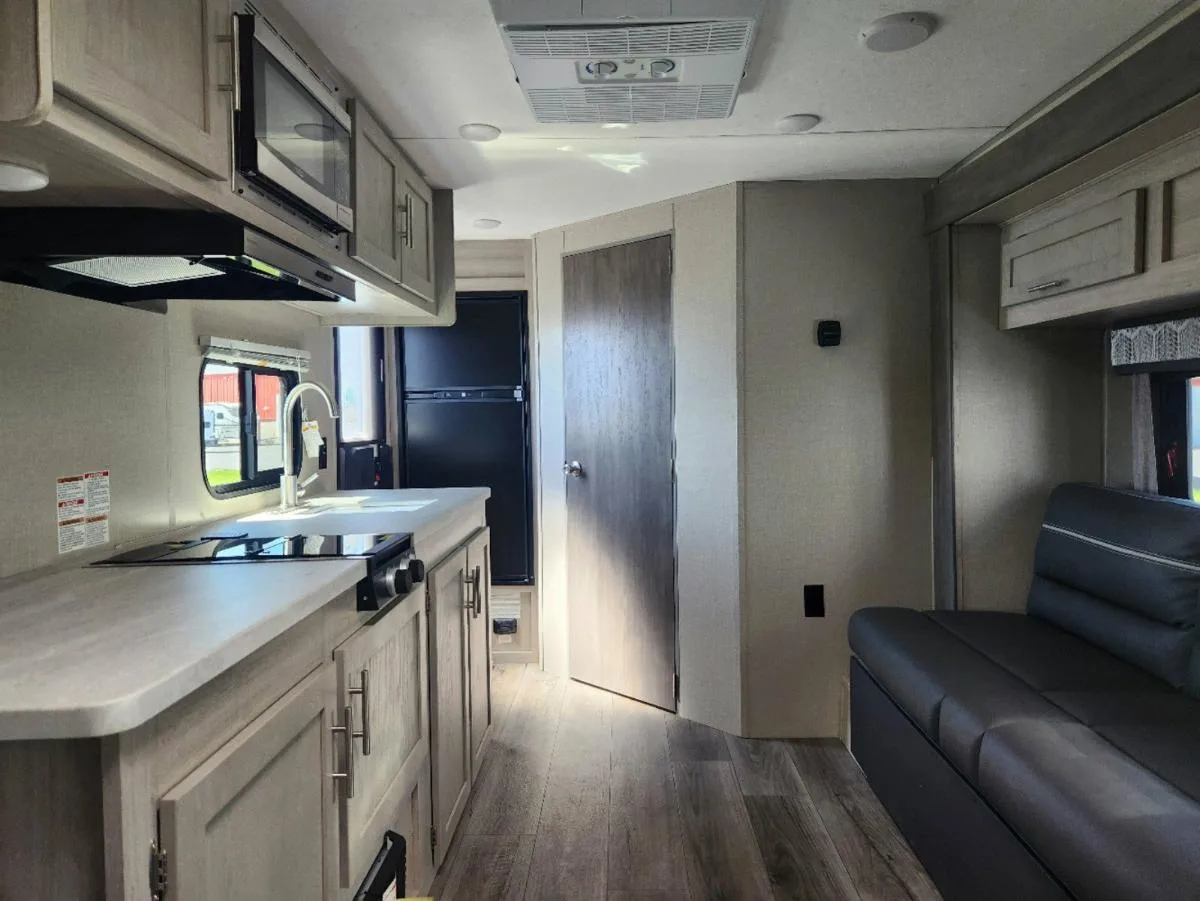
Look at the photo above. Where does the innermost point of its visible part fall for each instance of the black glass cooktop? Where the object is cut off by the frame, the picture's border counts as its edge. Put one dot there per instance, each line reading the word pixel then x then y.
pixel 241 549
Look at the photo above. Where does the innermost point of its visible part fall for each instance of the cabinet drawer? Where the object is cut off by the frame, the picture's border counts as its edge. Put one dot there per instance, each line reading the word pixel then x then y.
pixel 1097 245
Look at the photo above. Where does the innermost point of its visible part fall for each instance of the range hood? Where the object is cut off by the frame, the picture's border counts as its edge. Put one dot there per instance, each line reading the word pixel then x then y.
pixel 129 255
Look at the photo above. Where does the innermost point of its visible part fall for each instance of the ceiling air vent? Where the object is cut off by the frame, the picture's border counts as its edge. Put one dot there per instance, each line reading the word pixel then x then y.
pixel 629 61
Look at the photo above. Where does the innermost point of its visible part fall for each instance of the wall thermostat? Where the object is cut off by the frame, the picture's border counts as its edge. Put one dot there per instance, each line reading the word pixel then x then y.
pixel 829 333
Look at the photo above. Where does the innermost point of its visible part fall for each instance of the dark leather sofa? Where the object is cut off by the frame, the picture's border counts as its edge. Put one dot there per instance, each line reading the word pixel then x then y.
pixel 1056 754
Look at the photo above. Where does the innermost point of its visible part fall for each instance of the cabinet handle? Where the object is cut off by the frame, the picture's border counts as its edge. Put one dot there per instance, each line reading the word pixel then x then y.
pixel 1047 286
pixel 405 222
pixel 346 730
pixel 469 579
pixel 475 580
pixel 364 692
pixel 236 53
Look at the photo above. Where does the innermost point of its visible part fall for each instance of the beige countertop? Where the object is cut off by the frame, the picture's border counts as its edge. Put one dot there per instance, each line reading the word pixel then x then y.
pixel 94 651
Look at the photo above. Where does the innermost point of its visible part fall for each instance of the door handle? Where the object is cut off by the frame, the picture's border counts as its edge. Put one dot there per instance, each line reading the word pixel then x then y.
pixel 1047 286
pixel 574 469
pixel 364 692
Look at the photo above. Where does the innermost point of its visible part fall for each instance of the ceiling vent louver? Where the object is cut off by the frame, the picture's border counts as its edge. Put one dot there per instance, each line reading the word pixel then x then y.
pixel 640 61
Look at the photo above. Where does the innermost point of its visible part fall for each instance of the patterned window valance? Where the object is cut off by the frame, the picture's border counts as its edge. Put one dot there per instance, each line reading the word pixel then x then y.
pixel 1157 345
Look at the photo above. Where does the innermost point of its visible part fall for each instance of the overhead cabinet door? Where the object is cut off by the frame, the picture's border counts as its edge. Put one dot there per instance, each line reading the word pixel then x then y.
pixel 378 165
pixel 416 205
pixel 154 67
pixel 1097 245
pixel 259 818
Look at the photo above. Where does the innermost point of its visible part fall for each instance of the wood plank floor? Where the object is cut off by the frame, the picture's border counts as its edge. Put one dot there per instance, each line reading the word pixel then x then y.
pixel 586 796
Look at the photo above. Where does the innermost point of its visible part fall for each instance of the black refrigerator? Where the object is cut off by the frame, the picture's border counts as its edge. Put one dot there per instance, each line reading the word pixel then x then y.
pixel 466 418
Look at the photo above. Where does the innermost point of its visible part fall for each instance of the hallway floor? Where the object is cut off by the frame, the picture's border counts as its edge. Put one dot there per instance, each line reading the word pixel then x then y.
pixel 586 796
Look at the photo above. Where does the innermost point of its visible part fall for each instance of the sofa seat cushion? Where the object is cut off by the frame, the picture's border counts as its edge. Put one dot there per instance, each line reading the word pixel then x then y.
pixel 1044 656
pixel 1159 731
pixel 1109 828
pixel 951 691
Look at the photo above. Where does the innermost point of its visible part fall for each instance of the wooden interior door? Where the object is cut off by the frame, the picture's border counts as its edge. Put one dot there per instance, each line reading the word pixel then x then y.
pixel 450 713
pixel 621 504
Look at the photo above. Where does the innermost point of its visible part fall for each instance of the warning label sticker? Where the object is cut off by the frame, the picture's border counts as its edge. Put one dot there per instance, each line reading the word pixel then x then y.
pixel 82 505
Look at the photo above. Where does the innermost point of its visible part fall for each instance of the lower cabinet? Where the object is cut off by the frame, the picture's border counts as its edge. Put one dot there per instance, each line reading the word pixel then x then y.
pixel 259 819
pixel 450 692
pixel 479 565
pixel 381 688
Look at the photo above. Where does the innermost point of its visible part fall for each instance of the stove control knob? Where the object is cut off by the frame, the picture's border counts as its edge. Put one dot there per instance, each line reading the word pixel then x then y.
pixel 417 568
pixel 404 581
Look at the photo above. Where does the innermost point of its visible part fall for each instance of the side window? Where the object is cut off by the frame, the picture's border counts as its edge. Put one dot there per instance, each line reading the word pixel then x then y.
pixel 241 426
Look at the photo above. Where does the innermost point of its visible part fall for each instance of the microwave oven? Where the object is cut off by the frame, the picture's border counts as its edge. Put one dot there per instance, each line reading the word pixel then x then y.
pixel 291 134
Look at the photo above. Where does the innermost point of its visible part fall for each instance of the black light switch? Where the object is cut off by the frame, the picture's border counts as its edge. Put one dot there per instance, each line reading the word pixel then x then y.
pixel 814 600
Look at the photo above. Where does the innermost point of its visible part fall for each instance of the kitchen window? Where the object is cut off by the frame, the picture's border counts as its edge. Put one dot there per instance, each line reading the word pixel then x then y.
pixel 241 426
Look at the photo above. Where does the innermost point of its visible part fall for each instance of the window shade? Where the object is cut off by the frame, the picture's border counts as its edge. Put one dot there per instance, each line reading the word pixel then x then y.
pixel 1151 346
pixel 246 353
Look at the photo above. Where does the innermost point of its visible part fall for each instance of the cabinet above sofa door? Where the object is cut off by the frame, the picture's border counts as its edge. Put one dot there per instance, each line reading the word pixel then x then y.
pixel 157 68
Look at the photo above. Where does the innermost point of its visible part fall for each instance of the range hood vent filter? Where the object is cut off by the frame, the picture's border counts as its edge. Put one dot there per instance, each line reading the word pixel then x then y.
pixel 137 272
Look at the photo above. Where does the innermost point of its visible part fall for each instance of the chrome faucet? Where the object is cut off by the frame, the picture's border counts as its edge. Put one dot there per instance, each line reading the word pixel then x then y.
pixel 287 481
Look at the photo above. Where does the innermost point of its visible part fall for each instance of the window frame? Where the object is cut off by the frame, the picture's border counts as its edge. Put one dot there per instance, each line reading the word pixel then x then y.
pixel 248 458
pixel 379 356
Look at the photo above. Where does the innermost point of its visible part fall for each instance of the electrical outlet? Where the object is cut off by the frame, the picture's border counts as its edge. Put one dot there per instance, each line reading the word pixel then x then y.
pixel 814 600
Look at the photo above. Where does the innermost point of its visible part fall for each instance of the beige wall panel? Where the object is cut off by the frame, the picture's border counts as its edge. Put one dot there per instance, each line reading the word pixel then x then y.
pixel 88 385
pixel 550 410
pixel 1028 416
pixel 82 387
pixel 630 225
pixel 490 259
pixel 836 442
pixel 706 326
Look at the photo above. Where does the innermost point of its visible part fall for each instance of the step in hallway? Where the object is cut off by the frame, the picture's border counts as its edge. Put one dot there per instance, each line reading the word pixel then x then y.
pixel 586 796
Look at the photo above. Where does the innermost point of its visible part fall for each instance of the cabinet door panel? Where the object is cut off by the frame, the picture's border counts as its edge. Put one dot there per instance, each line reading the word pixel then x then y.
pixel 417 269
pixel 1098 245
pixel 378 168
pixel 153 67
pixel 479 564
pixel 258 819
pixel 450 714
pixel 392 652
pixel 1181 217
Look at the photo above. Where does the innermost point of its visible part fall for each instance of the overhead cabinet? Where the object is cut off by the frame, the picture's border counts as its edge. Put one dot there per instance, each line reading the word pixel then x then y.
pixel 1124 247
pixel 154 67
pixel 1097 245
pixel 394 209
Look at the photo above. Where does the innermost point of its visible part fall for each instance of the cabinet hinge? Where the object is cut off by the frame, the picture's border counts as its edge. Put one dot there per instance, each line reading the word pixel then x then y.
pixel 433 836
pixel 158 872
pixel 428 603
pixel 677 686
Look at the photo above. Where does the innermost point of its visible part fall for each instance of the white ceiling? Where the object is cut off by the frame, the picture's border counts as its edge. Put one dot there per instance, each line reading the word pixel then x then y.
pixel 428 66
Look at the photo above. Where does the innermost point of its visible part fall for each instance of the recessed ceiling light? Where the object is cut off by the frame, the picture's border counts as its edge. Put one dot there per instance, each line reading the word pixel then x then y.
pixel 488 223
pixel 797 124
pixel 20 177
pixel 901 31
pixel 480 132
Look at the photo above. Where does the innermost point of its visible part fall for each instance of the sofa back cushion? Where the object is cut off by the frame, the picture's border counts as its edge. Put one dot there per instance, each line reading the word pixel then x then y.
pixel 1122 571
